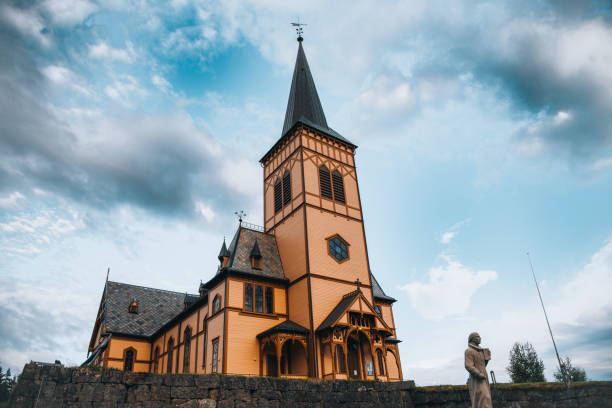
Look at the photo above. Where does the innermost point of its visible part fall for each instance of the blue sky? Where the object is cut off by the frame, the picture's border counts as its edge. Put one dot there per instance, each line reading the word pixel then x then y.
pixel 130 133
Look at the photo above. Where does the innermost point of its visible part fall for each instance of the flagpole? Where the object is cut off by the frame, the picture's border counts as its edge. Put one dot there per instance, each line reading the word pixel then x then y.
pixel 567 382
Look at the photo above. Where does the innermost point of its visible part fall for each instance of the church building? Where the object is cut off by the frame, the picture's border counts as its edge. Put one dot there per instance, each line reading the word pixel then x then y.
pixel 294 298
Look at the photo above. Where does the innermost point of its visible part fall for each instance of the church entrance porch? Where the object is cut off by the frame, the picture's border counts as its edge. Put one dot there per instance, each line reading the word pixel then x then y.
pixel 282 351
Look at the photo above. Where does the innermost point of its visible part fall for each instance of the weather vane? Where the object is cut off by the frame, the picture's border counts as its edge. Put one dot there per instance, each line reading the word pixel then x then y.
pixel 240 214
pixel 298 29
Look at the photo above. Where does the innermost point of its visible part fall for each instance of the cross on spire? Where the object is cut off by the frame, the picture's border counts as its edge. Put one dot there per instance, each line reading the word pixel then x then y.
pixel 299 30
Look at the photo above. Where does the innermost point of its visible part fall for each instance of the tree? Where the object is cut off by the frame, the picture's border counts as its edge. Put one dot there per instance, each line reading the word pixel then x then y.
pixel 575 373
pixel 525 365
pixel 7 383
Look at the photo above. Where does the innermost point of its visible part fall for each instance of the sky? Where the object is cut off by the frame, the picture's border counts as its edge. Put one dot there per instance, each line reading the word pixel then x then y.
pixel 130 132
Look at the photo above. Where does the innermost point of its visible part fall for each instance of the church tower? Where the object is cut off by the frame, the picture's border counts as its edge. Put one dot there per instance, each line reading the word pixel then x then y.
pixel 313 208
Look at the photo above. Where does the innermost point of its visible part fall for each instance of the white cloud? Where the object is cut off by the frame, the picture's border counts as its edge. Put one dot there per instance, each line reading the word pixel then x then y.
pixel 103 51
pixel 161 82
pixel 452 232
pixel 67 12
pixel 448 291
pixel 123 90
pixel 206 211
pixel 11 201
pixel 387 94
pixel 602 164
pixel 447 236
pixel 28 22
pixel 586 296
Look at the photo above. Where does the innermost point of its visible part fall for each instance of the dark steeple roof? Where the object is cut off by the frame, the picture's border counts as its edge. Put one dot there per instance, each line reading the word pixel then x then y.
pixel 223 252
pixel 304 101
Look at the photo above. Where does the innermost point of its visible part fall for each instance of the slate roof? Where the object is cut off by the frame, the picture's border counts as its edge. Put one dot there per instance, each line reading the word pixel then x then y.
pixel 303 98
pixel 285 327
pixel 155 307
pixel 338 310
pixel 240 254
pixel 378 292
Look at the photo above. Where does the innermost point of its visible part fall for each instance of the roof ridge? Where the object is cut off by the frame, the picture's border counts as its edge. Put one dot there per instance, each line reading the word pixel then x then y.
pixel 150 288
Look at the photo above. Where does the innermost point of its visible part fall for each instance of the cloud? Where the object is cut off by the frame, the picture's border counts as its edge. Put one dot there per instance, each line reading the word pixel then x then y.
pixel 161 82
pixel 448 236
pixel 69 12
pixel 163 163
pixel 11 201
pixel 448 290
pixel 28 22
pixel 101 50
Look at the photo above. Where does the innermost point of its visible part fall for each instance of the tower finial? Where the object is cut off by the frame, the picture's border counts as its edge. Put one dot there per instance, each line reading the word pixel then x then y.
pixel 240 214
pixel 299 30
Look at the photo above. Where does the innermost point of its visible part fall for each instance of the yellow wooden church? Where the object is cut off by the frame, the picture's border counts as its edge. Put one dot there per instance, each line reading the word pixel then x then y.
pixel 295 298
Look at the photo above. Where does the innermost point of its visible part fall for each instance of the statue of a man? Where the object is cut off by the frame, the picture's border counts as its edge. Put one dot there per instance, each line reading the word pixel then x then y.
pixel 476 360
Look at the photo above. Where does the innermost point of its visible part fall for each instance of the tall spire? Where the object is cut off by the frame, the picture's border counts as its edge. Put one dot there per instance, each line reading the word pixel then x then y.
pixel 304 101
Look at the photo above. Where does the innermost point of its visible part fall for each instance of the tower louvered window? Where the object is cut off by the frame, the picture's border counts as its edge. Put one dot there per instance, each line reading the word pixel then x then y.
pixel 338 186
pixel 278 195
pixel 325 181
pixel 286 188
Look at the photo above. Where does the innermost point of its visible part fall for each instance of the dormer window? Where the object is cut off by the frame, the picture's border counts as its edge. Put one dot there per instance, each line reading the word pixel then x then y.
pixel 133 308
pixel 255 257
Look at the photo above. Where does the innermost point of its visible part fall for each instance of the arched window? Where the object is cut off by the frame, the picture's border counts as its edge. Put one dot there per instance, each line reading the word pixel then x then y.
pixel 338 186
pixel 278 195
pixel 216 303
pixel 341 360
pixel 381 362
pixel 156 360
pixel 325 182
pixel 258 299
pixel 248 297
pixel 186 349
pixel 215 354
pixel 286 188
pixel 170 353
pixel 128 360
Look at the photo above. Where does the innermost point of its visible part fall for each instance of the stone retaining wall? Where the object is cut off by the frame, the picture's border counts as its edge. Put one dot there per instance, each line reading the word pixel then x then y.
pixel 56 386
pixel 546 395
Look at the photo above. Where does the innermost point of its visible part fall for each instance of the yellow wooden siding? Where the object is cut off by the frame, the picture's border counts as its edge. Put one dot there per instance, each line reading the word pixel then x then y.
pixel 323 225
pixel 280 301
pixel 243 346
pixel 298 304
pixel 326 295
pixel 291 245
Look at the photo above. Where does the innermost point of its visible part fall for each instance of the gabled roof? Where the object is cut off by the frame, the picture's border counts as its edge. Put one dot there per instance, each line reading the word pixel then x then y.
pixel 343 306
pixel 340 308
pixel 155 308
pixel 303 98
pixel 377 291
pixel 285 327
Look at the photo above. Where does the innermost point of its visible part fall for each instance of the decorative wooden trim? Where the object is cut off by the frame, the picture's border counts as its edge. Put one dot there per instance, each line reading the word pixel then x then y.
pixel 329 278
pixel 260 315
pixel 311 349
pixel 225 322
pixel 329 157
